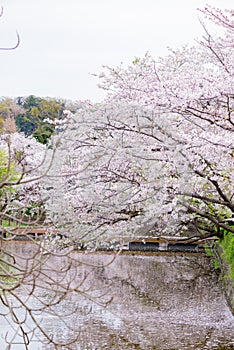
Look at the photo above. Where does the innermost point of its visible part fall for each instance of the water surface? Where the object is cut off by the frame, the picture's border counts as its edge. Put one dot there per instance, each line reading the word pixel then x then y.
pixel 158 301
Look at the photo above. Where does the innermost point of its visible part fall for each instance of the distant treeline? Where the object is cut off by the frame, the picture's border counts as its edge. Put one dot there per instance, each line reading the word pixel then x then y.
pixel 31 115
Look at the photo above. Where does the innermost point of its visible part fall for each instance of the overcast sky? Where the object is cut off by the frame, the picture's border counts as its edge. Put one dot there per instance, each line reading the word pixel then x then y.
pixel 64 41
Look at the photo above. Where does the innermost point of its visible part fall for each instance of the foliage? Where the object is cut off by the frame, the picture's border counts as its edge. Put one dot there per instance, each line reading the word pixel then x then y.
pixel 38 112
pixel 4 111
pixel 8 112
pixel 227 243
pixel 33 115
pixel 8 174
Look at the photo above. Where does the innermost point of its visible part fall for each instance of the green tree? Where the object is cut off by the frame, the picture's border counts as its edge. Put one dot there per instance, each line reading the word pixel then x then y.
pixel 9 109
pixel 38 115
pixel 8 172
pixel 9 178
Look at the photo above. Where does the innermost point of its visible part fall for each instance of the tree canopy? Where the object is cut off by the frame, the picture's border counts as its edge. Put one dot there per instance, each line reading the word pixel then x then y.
pixel 38 112
pixel 158 153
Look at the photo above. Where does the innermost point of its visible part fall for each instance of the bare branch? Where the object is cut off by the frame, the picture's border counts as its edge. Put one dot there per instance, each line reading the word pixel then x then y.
pixel 12 47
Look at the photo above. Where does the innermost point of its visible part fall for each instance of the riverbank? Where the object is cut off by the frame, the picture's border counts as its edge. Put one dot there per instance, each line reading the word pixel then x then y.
pixel 227 280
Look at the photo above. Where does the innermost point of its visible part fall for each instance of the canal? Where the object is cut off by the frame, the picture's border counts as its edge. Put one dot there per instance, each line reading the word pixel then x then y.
pixel 169 301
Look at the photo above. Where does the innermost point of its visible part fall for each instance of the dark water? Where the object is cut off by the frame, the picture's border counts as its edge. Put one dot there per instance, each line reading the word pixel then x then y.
pixel 157 302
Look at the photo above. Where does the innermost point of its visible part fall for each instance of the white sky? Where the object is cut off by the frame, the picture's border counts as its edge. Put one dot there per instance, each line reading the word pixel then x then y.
pixel 64 41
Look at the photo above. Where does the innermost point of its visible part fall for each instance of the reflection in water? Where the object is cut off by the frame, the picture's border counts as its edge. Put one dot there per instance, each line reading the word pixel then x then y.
pixel 158 302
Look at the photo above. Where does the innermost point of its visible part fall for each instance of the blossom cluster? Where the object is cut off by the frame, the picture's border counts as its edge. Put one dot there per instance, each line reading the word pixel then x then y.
pixel 158 152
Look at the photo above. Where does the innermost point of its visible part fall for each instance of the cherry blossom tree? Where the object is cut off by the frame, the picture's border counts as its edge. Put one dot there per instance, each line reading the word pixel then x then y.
pixel 158 153
pixel 37 282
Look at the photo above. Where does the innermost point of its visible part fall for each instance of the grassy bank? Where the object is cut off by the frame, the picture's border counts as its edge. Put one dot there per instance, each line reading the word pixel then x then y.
pixel 227 244
pixel 223 256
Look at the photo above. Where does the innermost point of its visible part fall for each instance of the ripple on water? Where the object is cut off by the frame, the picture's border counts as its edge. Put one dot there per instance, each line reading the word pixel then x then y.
pixel 159 302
